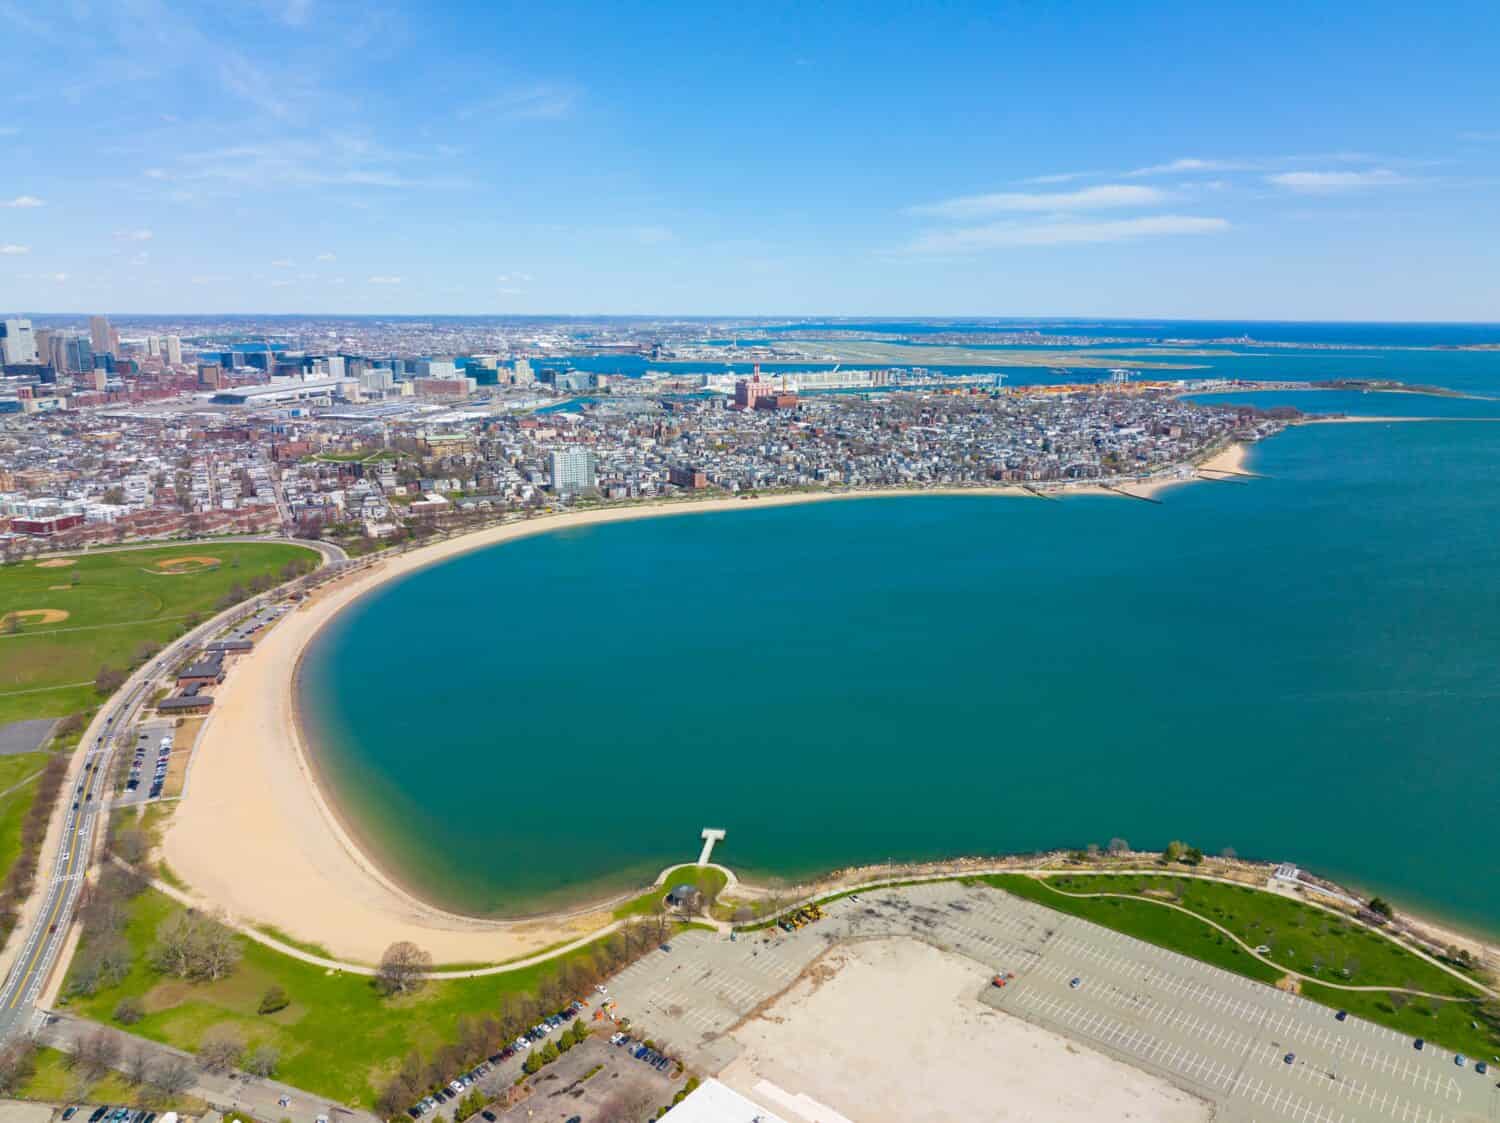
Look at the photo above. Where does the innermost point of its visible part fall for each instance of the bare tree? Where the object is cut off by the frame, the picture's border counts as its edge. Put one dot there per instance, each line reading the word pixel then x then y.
pixel 220 1048
pixel 96 1055
pixel 172 1077
pixel 17 1065
pixel 401 968
pixel 1118 846
pixel 137 1066
pixel 262 1060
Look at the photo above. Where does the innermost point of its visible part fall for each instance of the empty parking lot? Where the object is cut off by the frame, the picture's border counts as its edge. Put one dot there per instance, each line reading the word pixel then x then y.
pixel 1222 1036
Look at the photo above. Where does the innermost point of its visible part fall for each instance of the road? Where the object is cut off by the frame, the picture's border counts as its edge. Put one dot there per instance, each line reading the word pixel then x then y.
pixel 82 803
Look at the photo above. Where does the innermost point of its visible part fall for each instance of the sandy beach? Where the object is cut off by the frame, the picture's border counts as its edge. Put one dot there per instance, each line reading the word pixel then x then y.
pixel 255 834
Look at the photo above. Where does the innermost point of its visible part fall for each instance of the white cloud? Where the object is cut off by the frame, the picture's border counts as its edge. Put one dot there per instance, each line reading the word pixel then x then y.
pixel 325 257
pixel 513 278
pixel 1000 235
pixel 544 101
pixel 10 249
pixel 156 173
pixel 510 291
pixel 1090 198
pixel 384 280
pixel 1194 164
pixel 140 259
pixel 1325 183
pixel 283 263
pixel 23 202
pixel 280 284
pixel 133 235
pixel 59 278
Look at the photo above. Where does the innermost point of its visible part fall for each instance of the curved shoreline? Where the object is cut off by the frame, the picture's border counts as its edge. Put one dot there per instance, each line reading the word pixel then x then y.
pixel 254 778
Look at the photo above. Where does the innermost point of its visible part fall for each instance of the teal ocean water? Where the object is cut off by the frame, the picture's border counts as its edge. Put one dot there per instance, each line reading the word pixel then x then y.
pixel 1305 667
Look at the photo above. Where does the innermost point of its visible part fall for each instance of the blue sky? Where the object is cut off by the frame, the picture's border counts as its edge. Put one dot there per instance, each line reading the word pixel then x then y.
pixel 1266 160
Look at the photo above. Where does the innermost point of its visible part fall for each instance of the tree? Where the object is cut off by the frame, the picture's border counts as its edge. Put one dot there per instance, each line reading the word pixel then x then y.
pixel 1192 856
pixel 1118 846
pixel 190 945
pixel 532 1063
pixel 262 1060
pixel 1229 853
pixel 172 1077
pixel 17 1065
pixel 550 1051
pixel 108 680
pixel 578 1031
pixel 131 844
pixel 137 1065
pixel 401 968
pixel 128 1011
pixel 274 999
pixel 1173 851
pixel 1381 907
pixel 220 1048
pixel 96 1054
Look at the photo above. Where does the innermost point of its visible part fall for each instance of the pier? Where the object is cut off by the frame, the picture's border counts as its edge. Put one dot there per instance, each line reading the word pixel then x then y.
pixel 710 836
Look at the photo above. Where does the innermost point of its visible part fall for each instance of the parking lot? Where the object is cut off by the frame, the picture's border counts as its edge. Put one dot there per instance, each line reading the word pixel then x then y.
pixel 585 1079
pixel 1219 1035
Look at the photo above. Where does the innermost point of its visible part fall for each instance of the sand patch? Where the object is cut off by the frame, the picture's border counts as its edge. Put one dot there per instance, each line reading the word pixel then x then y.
pixel 56 563
pixel 35 616
pixel 896 1032
pixel 189 564
pixel 59 588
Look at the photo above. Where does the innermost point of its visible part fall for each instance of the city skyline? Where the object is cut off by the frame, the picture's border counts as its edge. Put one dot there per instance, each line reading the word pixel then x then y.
pixel 1180 162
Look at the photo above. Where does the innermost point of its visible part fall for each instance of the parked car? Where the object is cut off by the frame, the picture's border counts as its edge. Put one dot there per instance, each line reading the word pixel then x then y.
pixel 1460 1060
pixel 1342 1015
pixel 1419 1043
pixel 1290 1058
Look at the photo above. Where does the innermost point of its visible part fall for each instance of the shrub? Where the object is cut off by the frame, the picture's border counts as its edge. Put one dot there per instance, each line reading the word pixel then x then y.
pixel 128 1011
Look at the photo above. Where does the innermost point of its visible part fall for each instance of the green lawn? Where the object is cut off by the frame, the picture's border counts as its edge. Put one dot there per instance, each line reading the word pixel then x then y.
pixel 1145 921
pixel 55 1082
pixel 1458 1025
pixel 1301 937
pixel 709 880
pixel 15 804
pixel 115 602
pixel 338 1037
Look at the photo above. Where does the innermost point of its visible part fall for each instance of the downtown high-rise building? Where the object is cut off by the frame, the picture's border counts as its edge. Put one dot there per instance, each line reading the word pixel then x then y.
pixel 101 335
pixel 172 348
pixel 17 343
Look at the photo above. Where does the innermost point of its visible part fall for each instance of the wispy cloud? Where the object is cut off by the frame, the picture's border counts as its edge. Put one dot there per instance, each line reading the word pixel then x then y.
pixel 543 101
pixel 1327 183
pixel 1106 196
pixel 325 257
pixel 384 280
pixel 513 279
pixel 1189 164
pixel 283 263
pixel 10 249
pixel 22 202
pixel 1002 235
pixel 133 235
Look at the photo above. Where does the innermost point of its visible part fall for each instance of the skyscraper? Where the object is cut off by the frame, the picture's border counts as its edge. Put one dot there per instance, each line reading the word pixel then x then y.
pixel 17 343
pixel 174 349
pixel 101 335
pixel 572 470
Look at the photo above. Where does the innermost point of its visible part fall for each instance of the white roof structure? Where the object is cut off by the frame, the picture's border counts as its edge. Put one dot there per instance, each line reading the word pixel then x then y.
pixel 712 1102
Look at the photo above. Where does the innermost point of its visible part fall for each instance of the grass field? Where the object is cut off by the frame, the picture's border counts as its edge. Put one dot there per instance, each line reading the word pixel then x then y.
pixel 708 880
pixel 115 603
pixel 1300 931
pixel 14 773
pixel 56 1082
pixel 338 1037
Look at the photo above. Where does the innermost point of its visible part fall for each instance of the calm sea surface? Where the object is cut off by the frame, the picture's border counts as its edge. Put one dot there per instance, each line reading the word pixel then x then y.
pixel 1305 667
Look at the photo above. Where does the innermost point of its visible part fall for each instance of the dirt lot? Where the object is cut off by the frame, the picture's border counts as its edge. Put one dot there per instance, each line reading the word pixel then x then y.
pixel 891 1030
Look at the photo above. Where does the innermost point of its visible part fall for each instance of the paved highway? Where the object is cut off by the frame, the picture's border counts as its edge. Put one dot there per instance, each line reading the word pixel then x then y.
pixel 83 800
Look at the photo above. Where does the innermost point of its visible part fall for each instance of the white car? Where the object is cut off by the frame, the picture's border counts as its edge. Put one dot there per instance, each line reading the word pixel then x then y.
pixel 602 989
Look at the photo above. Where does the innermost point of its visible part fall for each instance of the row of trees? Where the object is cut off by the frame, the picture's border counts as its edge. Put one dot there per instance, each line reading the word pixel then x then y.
pixel 21 876
pixel 104 956
pixel 158 1077
pixel 477 1038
